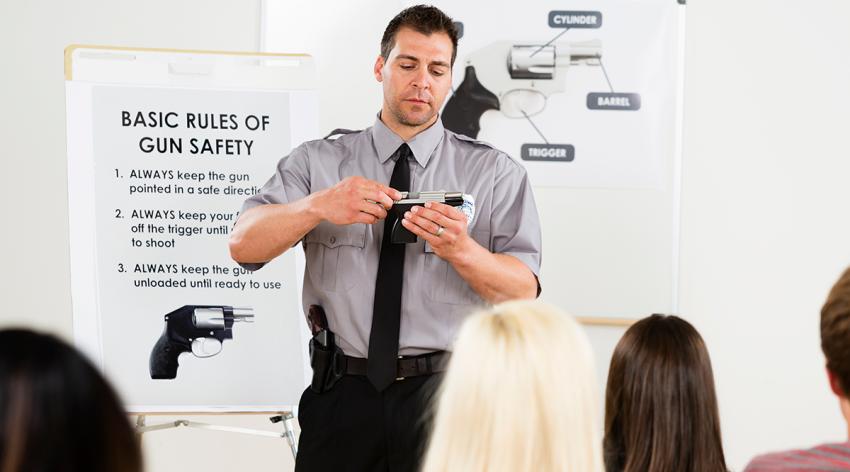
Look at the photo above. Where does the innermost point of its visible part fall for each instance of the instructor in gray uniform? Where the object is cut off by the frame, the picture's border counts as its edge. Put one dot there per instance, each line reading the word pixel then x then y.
pixel 393 308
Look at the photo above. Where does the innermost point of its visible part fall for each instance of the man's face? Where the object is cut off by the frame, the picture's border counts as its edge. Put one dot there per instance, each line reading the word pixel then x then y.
pixel 416 76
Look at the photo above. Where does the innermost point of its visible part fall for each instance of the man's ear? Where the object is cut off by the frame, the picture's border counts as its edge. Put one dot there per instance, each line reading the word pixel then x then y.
pixel 379 66
pixel 834 384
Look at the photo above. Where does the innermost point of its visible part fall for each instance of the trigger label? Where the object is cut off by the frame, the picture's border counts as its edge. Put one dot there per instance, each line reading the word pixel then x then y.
pixel 548 152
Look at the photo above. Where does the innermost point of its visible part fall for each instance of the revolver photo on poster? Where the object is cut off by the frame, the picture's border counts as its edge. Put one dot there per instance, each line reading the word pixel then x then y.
pixel 520 90
pixel 199 329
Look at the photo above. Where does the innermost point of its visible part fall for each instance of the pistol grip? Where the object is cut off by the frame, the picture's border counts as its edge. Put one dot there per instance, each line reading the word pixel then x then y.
pixel 163 360
pixel 402 235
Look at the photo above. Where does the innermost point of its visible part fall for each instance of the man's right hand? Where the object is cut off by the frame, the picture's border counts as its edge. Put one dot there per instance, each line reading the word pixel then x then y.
pixel 355 200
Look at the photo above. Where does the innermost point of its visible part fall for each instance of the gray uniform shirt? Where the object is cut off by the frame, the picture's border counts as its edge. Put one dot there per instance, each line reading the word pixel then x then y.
pixel 342 261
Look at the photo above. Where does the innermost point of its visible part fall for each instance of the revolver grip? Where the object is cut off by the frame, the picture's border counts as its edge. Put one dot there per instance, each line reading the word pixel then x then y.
pixel 163 361
pixel 464 108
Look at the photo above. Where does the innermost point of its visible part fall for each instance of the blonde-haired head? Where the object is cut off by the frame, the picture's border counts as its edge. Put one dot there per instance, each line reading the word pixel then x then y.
pixel 519 395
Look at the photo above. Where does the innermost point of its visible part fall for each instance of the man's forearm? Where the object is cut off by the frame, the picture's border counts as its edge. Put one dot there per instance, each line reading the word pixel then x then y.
pixel 267 231
pixel 496 277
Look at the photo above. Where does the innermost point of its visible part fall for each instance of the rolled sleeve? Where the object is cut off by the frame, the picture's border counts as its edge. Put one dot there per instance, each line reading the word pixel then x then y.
pixel 515 224
pixel 290 182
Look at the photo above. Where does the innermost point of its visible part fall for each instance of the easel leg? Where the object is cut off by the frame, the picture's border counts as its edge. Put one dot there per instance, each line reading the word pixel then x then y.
pixel 289 432
pixel 140 424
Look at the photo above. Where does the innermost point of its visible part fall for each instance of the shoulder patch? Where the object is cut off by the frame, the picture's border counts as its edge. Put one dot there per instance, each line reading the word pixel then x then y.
pixel 339 132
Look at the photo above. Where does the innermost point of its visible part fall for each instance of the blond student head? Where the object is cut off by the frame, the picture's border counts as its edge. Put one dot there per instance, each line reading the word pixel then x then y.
pixel 520 394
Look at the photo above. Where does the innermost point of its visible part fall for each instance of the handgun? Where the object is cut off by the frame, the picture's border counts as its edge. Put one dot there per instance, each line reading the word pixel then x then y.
pixel 199 329
pixel 400 234
pixel 518 77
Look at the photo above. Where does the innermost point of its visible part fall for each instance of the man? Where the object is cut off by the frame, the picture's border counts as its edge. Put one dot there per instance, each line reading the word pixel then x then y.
pixel 393 308
pixel 835 342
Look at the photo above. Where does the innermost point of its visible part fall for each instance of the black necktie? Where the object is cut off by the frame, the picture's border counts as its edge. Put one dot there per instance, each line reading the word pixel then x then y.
pixel 386 311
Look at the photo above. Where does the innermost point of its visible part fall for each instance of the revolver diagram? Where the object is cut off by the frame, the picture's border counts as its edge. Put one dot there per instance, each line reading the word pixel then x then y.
pixel 199 329
pixel 515 79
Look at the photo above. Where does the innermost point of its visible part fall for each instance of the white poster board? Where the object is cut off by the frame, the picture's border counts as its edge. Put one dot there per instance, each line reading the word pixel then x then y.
pixel 163 148
pixel 605 132
pixel 586 91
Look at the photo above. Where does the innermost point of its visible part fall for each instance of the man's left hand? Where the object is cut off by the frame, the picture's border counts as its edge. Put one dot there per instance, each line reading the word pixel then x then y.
pixel 450 242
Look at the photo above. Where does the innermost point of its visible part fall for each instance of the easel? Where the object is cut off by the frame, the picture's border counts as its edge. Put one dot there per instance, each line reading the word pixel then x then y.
pixel 285 417
pixel 89 66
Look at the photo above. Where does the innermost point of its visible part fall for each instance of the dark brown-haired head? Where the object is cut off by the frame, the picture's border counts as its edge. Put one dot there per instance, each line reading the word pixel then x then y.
pixel 835 332
pixel 57 412
pixel 660 405
pixel 424 19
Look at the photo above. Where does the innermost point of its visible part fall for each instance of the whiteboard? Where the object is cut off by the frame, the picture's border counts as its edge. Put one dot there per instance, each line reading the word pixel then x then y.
pixel 163 148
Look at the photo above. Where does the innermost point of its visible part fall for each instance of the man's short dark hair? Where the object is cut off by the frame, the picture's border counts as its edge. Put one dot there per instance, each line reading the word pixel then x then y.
pixel 424 19
pixel 835 331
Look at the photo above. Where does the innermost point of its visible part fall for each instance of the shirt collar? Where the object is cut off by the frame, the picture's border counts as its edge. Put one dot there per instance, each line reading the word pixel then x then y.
pixel 423 144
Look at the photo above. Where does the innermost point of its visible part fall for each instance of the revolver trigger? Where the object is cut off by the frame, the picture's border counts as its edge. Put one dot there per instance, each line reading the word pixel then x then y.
pixel 206 347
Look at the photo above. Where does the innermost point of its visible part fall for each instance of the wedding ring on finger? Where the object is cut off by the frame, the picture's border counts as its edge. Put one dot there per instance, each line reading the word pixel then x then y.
pixel 440 232
pixel 376 203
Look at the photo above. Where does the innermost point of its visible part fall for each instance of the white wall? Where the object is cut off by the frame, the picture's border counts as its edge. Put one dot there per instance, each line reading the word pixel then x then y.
pixel 765 178
pixel 765 230
pixel 34 279
pixel 33 35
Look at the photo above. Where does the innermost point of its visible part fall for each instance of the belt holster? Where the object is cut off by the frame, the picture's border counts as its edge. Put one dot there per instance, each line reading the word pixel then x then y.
pixel 327 361
pixel 326 358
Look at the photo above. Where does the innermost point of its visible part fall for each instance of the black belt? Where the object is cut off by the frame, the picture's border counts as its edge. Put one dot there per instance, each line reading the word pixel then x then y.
pixel 408 366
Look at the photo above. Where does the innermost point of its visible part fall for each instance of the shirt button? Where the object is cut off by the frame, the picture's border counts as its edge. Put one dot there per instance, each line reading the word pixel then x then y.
pixel 333 239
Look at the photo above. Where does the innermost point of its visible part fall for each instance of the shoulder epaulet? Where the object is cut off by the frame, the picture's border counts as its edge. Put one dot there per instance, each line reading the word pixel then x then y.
pixel 466 138
pixel 339 132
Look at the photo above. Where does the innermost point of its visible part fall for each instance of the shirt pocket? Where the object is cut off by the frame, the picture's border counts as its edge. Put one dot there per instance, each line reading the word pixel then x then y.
pixel 334 254
pixel 445 285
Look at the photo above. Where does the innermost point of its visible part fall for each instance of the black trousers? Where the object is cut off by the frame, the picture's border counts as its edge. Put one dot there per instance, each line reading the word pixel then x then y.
pixel 354 427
